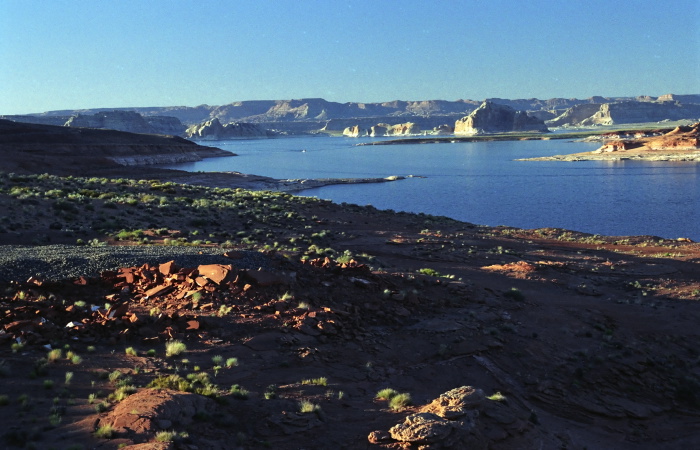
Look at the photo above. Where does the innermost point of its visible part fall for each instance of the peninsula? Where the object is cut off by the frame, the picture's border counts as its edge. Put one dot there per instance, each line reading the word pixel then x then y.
pixel 679 144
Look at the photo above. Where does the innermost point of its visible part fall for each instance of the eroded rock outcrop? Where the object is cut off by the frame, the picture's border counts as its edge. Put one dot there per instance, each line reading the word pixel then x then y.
pixel 400 129
pixel 383 129
pixel 575 115
pixel 683 138
pixel 460 418
pixel 494 118
pixel 213 130
pixel 354 131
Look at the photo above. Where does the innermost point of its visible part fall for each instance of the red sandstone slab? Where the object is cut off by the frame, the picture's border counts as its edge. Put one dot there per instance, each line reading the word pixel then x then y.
pixel 168 268
pixel 158 290
pixel 215 272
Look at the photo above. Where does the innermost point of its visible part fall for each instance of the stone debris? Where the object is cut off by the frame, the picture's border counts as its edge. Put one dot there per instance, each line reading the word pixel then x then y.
pixel 167 301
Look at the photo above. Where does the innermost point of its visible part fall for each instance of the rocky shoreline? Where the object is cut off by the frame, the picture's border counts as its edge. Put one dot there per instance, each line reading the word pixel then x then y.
pixel 590 156
pixel 680 144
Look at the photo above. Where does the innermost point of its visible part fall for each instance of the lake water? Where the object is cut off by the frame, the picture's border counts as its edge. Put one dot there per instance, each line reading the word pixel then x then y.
pixel 479 182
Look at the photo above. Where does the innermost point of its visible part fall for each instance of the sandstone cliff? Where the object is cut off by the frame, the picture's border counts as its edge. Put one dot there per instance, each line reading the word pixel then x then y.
pixel 383 129
pixel 400 129
pixel 641 112
pixel 494 118
pixel 213 130
pixel 574 115
pixel 128 121
pixel 354 131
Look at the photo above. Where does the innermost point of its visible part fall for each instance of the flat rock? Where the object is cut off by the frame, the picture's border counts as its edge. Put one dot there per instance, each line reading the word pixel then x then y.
pixel 215 272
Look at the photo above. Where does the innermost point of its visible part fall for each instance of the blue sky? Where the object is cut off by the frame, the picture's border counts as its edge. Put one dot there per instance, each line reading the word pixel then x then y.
pixel 74 54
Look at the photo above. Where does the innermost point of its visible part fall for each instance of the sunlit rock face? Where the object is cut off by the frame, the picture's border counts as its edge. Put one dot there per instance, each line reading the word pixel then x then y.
pixel 494 118
pixel 213 130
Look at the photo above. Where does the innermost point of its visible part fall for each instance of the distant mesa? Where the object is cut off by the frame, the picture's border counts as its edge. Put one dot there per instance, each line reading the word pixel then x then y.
pixel 383 129
pixel 318 116
pixel 213 130
pixel 643 110
pixel 129 121
pixel 494 118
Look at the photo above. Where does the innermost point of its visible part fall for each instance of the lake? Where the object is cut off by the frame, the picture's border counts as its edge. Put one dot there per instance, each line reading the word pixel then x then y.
pixel 479 182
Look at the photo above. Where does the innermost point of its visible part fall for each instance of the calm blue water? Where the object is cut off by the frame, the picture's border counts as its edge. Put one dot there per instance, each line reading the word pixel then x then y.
pixel 480 182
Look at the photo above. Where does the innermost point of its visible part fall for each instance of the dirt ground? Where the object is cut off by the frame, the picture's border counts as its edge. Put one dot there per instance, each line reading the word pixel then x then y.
pixel 591 341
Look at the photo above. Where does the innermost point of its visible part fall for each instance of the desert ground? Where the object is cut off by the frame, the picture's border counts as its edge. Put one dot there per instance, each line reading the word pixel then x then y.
pixel 147 308
pixel 274 321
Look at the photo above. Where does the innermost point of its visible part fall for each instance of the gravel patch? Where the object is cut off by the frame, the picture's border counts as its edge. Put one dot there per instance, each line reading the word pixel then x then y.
pixel 58 262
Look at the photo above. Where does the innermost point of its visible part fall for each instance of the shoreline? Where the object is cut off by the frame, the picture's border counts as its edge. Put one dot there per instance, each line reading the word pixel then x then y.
pixel 262 183
pixel 677 156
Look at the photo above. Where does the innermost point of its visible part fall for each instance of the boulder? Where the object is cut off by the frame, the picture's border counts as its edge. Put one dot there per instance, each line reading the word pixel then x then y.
pixel 456 402
pixel 157 409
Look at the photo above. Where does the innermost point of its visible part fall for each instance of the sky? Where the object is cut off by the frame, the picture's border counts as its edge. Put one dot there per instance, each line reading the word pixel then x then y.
pixel 76 54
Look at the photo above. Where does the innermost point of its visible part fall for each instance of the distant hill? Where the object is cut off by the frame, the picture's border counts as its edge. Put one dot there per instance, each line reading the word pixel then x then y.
pixel 310 115
pixel 35 148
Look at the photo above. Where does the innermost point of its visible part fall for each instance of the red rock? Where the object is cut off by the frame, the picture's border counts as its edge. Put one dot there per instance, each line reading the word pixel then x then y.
pixel 193 324
pixel 117 311
pixel 168 268
pixel 158 290
pixel 215 272
pixel 20 325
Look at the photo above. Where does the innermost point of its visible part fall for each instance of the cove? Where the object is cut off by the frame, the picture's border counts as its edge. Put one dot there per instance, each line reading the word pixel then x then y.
pixel 479 182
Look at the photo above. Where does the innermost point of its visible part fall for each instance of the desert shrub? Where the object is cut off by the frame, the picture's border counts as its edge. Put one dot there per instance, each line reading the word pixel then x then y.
pixel 239 392
pixel 399 401
pixel 430 272
pixel 166 436
pixel 497 397
pixel 54 355
pixel 306 407
pixel 174 348
pixel 321 381
pixel 105 432
pixel 386 394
